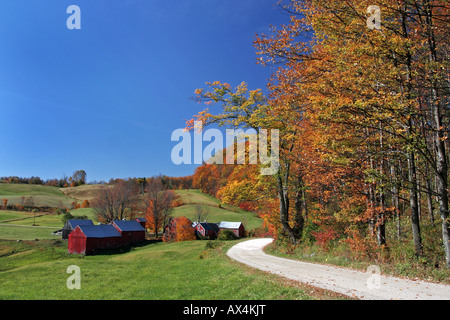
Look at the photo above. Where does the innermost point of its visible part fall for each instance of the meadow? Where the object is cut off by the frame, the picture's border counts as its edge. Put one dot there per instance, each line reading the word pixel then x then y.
pixel 33 263
pixel 23 225
pixel 192 270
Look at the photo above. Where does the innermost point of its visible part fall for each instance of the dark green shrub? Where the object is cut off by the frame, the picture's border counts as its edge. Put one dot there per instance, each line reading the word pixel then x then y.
pixel 227 235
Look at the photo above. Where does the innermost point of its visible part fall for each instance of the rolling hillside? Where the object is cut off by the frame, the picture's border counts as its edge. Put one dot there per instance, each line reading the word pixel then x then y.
pixel 43 196
pixel 18 225
pixel 84 192
pixel 191 198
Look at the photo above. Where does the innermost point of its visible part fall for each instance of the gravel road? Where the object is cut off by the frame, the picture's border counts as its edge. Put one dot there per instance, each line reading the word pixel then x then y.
pixel 369 285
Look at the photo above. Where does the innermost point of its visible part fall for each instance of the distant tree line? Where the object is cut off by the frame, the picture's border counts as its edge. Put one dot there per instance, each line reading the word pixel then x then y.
pixel 78 178
pixel 173 183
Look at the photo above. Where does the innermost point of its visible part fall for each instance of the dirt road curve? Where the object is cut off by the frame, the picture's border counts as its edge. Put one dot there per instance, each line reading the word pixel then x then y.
pixel 362 285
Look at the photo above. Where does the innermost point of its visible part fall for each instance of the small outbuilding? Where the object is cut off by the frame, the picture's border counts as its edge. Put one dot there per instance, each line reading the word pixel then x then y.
pixel 237 227
pixel 142 221
pixel 85 239
pixel 70 225
pixel 131 231
pixel 206 229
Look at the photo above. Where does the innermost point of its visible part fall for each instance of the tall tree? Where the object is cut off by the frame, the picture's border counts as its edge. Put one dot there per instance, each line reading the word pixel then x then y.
pixel 79 177
pixel 114 203
pixel 158 205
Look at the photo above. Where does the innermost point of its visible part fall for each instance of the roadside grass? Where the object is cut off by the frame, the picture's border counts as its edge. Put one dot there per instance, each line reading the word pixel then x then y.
pixel 182 271
pixel 397 259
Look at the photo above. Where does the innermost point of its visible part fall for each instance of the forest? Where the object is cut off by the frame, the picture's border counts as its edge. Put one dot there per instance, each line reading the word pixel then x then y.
pixel 362 108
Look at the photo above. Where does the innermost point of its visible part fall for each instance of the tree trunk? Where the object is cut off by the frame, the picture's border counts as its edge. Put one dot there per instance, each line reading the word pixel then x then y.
pixel 415 223
pixel 293 233
pixel 430 199
pixel 439 137
pixel 395 200
pixel 381 226
pixel 284 209
pixel 300 207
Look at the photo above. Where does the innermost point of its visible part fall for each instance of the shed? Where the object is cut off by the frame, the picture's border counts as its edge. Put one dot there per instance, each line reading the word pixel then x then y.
pixel 70 225
pixel 236 227
pixel 84 239
pixel 206 229
pixel 131 231
pixel 142 221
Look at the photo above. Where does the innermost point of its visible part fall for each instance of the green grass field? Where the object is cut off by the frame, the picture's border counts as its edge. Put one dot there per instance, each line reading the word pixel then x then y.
pixel 23 229
pixel 194 270
pixel 180 271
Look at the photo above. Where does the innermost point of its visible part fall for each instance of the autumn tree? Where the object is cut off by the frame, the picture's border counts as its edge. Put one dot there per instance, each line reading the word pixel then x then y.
pixel 157 202
pixel 29 202
pixel 376 96
pixel 179 229
pixel 363 118
pixel 114 202
pixel 85 204
pixel 201 212
pixel 142 184
pixel 79 177
pixel 244 108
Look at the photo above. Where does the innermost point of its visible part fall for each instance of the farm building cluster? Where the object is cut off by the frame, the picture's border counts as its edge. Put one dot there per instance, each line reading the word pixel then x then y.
pixel 207 229
pixel 85 237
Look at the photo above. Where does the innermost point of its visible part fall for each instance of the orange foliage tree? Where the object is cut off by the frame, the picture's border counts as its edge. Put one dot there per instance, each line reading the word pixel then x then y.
pixel 363 118
pixel 158 205
pixel 179 229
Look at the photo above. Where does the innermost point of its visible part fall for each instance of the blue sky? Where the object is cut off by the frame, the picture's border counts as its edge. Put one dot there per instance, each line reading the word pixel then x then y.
pixel 107 98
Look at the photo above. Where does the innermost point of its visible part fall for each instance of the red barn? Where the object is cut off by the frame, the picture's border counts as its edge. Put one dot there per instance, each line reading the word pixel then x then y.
pixel 86 239
pixel 131 231
pixel 72 224
pixel 236 227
